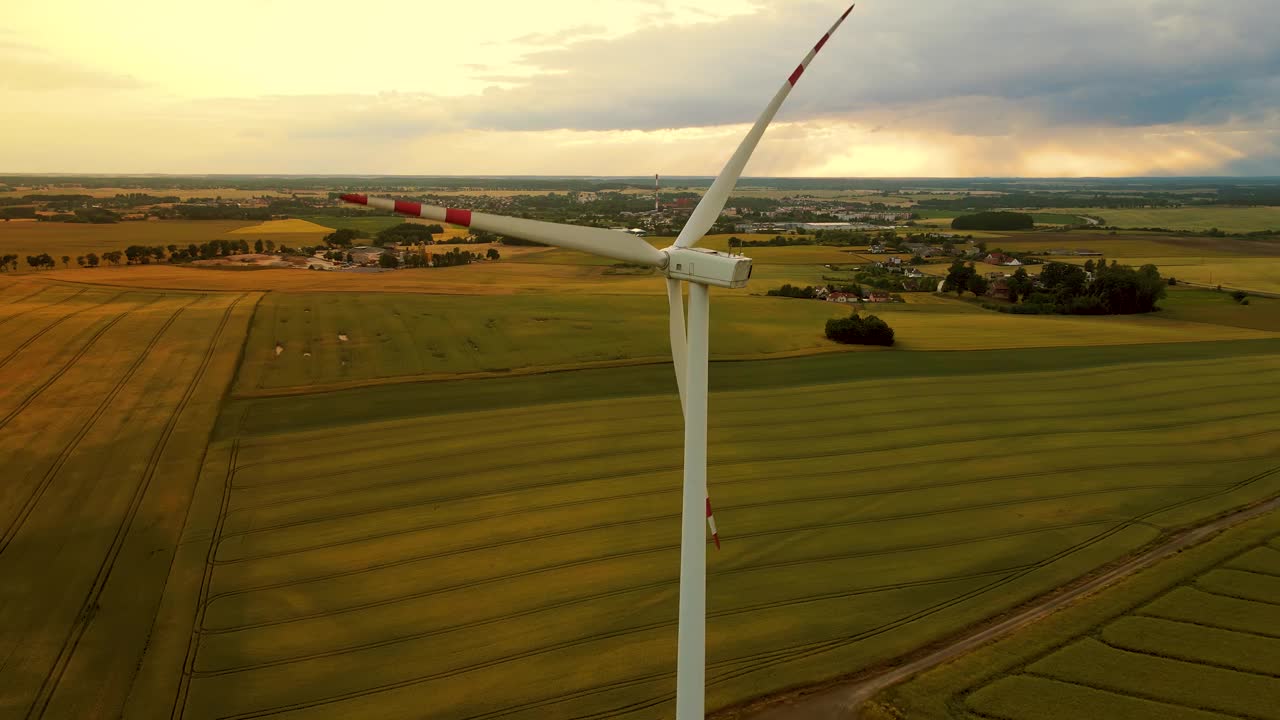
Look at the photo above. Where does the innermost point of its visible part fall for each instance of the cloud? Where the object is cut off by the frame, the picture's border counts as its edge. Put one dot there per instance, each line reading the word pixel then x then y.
pixel 1087 62
pixel 29 68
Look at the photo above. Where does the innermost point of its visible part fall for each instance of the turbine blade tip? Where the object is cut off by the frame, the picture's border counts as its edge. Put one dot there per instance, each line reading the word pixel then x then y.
pixel 356 199
pixel 716 537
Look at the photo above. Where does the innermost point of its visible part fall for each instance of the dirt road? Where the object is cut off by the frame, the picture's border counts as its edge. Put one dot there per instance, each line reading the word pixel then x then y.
pixel 842 701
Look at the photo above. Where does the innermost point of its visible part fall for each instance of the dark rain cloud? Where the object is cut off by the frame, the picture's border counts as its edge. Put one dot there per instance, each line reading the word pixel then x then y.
pixel 981 67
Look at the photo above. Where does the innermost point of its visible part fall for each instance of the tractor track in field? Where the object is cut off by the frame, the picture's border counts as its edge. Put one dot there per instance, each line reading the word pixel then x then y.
pixel 802 650
pixel 57 374
pixel 675 427
pixel 669 430
pixel 361 489
pixel 672 583
pixel 675 488
pixel 46 306
pixel 20 519
pixel 206 580
pixel 27 343
pixel 737 438
pixel 860 400
pixel 85 616
pixel 622 632
pixel 852 402
pixel 630 553
pixel 20 300
pixel 26 297
pixel 358 490
pixel 843 699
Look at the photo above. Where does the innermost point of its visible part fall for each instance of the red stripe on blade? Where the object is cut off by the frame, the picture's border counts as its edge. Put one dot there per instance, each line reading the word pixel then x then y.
pixel 708 507
pixel 796 75
pixel 404 207
pixel 357 199
pixel 846 13
pixel 717 539
pixel 457 217
pixel 823 41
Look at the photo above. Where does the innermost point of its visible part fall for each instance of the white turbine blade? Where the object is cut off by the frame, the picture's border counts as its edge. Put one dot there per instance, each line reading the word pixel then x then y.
pixel 679 341
pixel 597 241
pixel 708 209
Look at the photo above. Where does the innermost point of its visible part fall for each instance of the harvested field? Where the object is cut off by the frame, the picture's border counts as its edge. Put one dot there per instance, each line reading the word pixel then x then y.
pixel 58 239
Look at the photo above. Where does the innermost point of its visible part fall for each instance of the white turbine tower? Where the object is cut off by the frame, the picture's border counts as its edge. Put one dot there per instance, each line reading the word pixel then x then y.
pixel 700 268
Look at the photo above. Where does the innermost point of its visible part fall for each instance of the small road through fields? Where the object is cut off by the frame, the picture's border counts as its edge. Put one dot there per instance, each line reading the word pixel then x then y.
pixel 843 700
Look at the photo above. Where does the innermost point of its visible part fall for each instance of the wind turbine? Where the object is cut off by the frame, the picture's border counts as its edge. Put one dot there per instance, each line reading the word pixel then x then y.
pixel 680 263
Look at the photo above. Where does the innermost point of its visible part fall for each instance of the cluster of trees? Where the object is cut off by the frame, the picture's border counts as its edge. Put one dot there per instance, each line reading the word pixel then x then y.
pixel 962 276
pixel 859 330
pixel 1113 290
pixel 408 234
pixel 994 221
pixel 807 292
pixel 43 260
pixel 1062 288
pixel 775 241
pixel 8 262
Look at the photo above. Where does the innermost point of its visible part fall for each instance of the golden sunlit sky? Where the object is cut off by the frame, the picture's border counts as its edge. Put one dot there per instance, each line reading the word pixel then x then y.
pixel 632 87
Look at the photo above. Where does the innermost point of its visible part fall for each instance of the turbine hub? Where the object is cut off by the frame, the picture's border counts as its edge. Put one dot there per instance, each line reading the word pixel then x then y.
pixel 707 267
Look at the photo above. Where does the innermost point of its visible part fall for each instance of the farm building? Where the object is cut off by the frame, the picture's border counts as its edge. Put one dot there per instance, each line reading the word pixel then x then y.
pixel 843 297
pixel 1000 259
pixel 365 255
pixel 1000 290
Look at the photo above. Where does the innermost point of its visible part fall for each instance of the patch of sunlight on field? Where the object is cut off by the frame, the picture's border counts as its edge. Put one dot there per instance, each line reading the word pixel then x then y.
pixel 282 227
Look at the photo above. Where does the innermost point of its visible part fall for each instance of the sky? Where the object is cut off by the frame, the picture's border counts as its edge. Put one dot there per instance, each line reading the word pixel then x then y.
pixel 907 88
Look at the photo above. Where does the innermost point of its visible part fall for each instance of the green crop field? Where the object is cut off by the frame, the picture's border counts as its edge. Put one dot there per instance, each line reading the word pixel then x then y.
pixel 1195 636
pixel 104 416
pixel 1227 219
pixel 326 338
pixel 1051 218
pixel 454 492
pixel 367 538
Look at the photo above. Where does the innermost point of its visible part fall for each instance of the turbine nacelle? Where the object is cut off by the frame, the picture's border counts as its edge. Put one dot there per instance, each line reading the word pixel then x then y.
pixel 707 267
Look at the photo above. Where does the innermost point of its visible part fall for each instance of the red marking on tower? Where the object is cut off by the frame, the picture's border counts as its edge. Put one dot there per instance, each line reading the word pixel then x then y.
pixel 457 217
pixel 711 521
pixel 404 207
pixel 796 75
pixel 823 41
pixel 357 199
